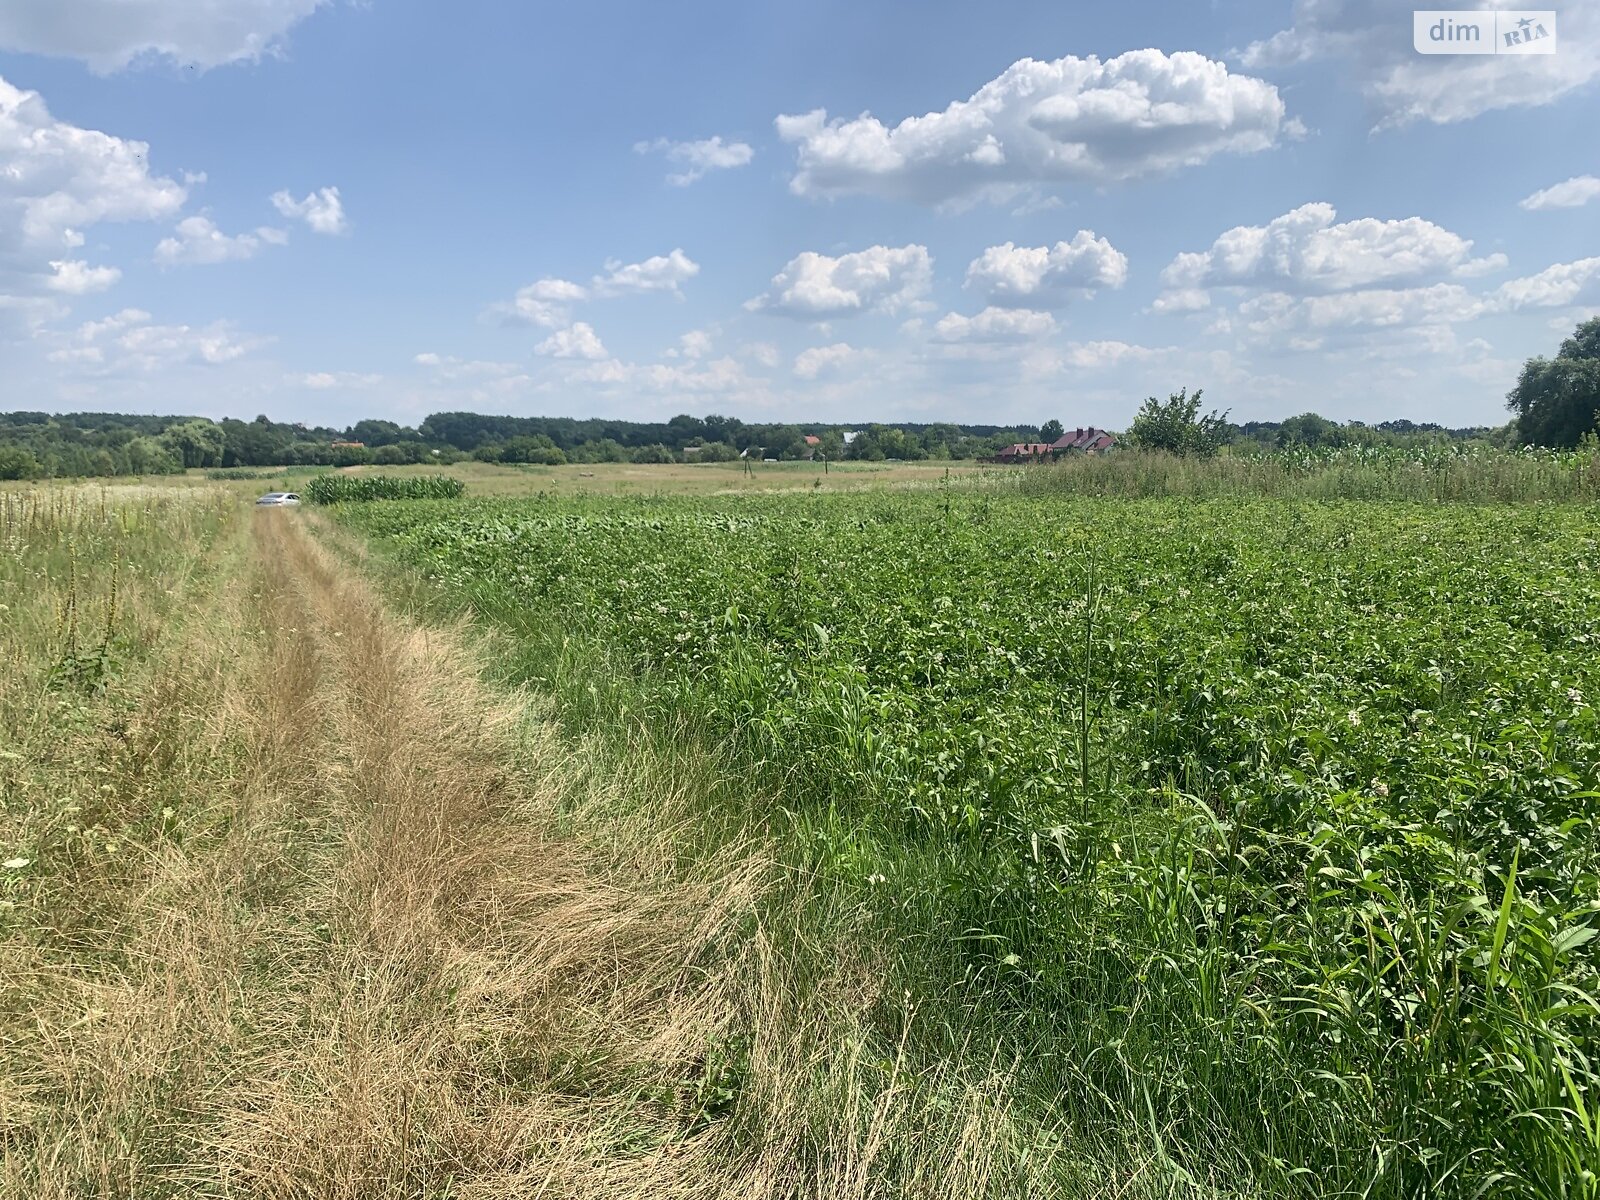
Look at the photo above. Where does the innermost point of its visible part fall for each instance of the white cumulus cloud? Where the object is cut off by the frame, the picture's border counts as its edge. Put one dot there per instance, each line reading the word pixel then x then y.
pixel 1071 120
pixel 808 364
pixel 199 241
pixel 1035 276
pixel 1278 313
pixel 695 344
pixel 1572 193
pixel 56 180
pixel 322 210
pixel 73 277
pixel 878 279
pixel 707 154
pixel 1307 250
pixel 1094 355
pixel 546 303
pixel 112 34
pixel 129 343
pixel 579 341
pixel 995 325
pixel 663 273
pixel 1373 38
pixel 1564 283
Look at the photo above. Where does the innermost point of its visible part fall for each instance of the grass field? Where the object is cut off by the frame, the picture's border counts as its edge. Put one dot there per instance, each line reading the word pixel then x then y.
pixel 494 479
pixel 1260 835
pixel 947 839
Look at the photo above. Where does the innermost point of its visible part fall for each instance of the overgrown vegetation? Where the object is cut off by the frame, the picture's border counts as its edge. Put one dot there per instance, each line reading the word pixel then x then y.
pixel 1266 829
pixel 352 489
pixel 1441 473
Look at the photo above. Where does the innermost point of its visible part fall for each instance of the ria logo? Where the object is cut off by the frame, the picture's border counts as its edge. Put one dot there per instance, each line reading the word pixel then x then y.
pixel 1483 31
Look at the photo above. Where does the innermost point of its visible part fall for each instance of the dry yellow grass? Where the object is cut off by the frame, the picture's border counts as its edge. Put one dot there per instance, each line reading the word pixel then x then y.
pixel 352 924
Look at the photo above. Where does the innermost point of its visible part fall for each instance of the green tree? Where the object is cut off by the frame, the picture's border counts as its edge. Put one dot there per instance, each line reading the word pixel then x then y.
pixel 196 443
pixel 1557 400
pixel 377 433
pixel 831 446
pixel 1309 429
pixel 150 456
pixel 714 452
pixel 539 449
pixel 1051 430
pixel 1177 427
pixel 17 462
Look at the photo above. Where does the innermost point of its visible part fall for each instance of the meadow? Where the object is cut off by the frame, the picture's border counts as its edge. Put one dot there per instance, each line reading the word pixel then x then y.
pixel 640 479
pixel 1245 845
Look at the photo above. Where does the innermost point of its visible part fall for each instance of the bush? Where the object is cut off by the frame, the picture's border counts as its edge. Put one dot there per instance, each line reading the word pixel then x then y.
pixel 1177 427
pixel 343 489
pixel 18 463
pixel 654 454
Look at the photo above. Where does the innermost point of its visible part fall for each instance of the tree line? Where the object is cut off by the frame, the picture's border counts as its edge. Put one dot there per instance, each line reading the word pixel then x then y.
pixel 1556 403
pixel 41 445
pixel 44 445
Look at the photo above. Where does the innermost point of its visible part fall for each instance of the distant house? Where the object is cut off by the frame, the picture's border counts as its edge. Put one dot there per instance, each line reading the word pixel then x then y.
pixel 1077 441
pixel 1083 441
pixel 1022 452
pixel 349 445
pixel 812 442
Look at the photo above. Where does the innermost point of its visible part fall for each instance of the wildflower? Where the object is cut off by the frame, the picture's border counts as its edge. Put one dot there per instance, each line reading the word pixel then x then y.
pixel 167 813
pixel 1354 717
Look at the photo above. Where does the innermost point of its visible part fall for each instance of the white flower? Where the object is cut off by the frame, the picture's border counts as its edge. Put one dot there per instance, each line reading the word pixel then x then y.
pixel 1354 717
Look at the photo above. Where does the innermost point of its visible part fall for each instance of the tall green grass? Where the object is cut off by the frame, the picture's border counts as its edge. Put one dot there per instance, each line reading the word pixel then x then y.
pixel 1438 474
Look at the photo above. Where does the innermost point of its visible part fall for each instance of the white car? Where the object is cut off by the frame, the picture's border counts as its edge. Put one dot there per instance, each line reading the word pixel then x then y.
pixel 278 499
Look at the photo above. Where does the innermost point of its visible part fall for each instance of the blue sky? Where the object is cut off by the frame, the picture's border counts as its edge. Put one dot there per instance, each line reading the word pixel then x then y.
pixel 324 210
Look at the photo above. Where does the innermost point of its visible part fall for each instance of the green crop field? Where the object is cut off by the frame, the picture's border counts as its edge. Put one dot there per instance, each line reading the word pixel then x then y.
pixel 1264 828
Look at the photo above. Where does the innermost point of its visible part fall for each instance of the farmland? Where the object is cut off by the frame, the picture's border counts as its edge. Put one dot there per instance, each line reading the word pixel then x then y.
pixel 1251 841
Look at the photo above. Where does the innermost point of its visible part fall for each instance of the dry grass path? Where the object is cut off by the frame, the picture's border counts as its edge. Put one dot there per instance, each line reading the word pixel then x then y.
pixel 348 961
